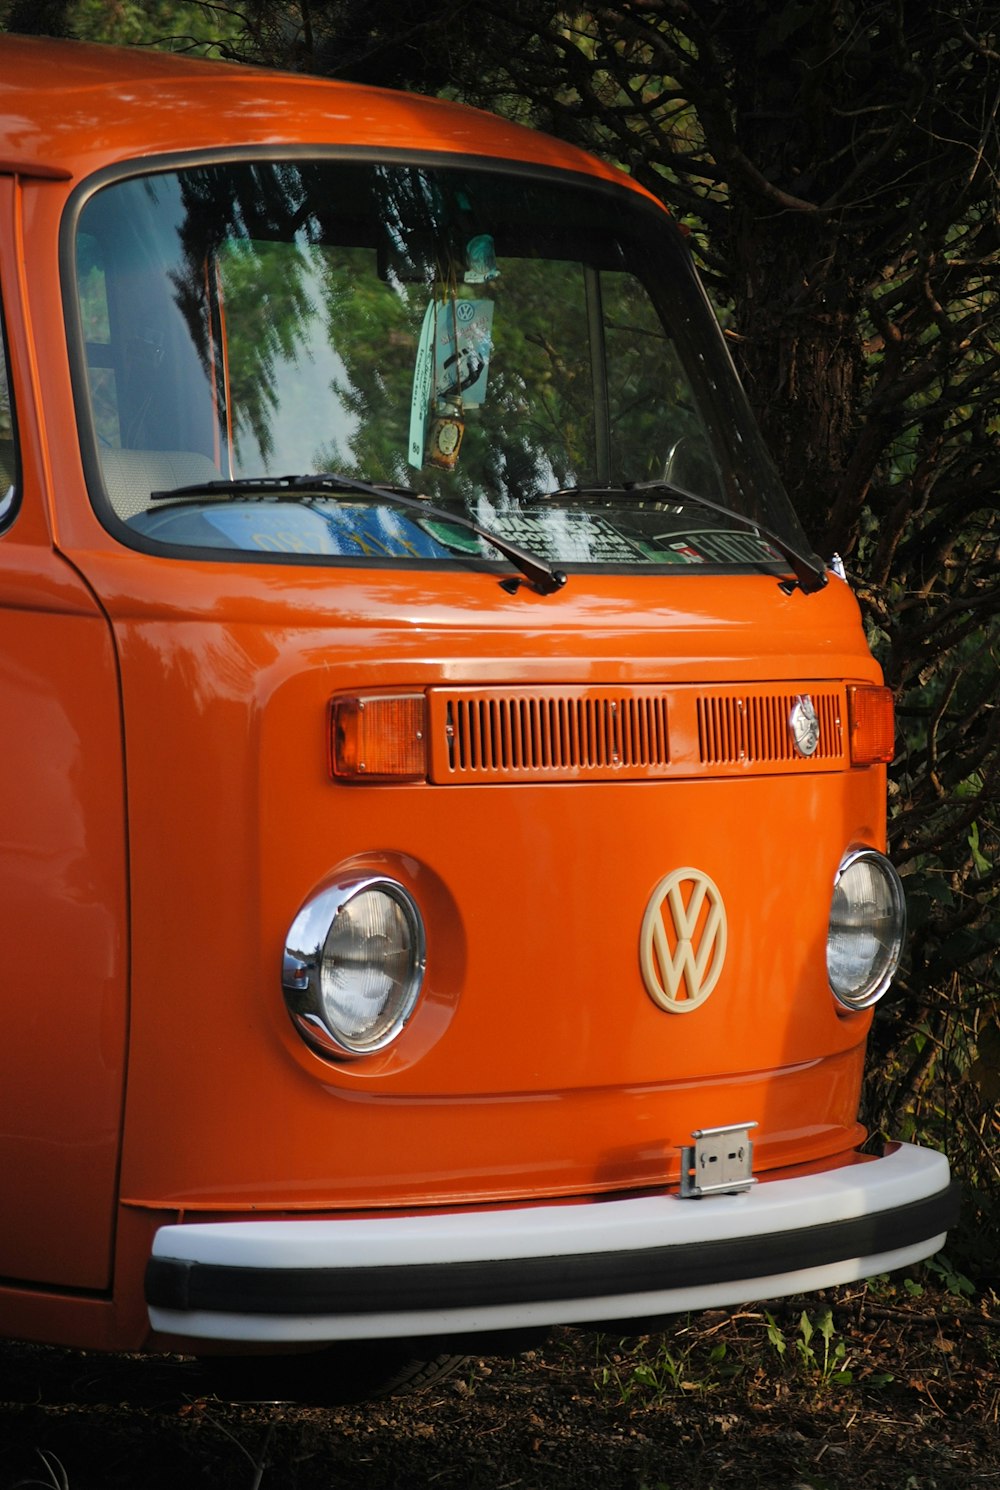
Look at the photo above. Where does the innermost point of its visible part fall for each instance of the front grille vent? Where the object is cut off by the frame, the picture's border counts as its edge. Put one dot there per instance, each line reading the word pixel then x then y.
pixel 553 734
pixel 628 733
pixel 746 728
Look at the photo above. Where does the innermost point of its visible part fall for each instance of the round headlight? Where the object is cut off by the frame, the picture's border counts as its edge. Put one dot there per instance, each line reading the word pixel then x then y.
pixel 867 925
pixel 353 966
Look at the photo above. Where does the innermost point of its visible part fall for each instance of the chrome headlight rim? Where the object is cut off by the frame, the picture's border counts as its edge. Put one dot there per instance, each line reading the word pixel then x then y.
pixel 302 967
pixel 877 985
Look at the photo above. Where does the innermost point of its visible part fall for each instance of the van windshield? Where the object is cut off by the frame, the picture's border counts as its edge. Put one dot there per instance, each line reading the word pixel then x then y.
pixel 529 352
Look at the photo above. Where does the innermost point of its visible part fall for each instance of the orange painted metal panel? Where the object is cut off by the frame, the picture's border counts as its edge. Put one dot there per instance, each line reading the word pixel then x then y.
pixel 63 930
pixel 533 1008
pixel 63 893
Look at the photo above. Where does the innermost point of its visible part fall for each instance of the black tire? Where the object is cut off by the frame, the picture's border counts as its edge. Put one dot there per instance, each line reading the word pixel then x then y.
pixel 360 1371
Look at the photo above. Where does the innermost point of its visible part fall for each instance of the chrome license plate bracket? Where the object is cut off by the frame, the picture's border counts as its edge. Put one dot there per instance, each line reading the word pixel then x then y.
pixel 718 1162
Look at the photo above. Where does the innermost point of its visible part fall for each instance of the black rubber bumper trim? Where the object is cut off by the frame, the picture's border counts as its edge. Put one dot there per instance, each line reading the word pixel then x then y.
pixel 184 1286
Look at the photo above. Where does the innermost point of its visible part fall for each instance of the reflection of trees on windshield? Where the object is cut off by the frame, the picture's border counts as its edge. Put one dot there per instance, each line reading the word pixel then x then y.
pixel 280 264
pixel 243 280
pixel 304 289
pixel 264 314
pixel 374 327
pixel 228 210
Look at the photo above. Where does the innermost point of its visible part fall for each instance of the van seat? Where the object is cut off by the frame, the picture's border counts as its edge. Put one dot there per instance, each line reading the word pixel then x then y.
pixel 130 475
pixel 8 466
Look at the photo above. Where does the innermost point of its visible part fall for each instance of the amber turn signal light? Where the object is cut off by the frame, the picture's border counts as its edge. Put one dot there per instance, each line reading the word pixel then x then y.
pixel 379 737
pixel 871 724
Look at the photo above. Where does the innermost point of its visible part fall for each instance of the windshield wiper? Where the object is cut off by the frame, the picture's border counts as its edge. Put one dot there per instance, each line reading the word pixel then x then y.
pixel 540 574
pixel 810 573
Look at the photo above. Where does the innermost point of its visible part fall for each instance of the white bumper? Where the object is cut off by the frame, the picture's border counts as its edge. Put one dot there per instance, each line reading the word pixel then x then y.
pixel 484 1270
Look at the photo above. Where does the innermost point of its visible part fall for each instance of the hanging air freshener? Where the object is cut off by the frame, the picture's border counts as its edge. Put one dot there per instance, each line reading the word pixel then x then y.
pixel 423 387
pixel 462 349
pixel 444 438
pixel 480 260
pixel 449 377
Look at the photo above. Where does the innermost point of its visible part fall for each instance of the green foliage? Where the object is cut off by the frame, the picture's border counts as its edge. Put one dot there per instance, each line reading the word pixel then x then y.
pixel 951 1279
pixel 655 1368
pixel 176 25
pixel 804 1351
pixel 819 1356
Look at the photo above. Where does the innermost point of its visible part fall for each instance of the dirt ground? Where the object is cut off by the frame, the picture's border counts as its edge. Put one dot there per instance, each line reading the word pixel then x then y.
pixel 855 1390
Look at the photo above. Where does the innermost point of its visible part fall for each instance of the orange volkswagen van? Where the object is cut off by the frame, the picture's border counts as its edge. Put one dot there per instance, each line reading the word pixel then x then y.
pixel 443 890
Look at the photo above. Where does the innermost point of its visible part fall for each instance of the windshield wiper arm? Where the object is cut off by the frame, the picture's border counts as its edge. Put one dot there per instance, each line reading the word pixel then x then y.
pixel 539 573
pixel 810 574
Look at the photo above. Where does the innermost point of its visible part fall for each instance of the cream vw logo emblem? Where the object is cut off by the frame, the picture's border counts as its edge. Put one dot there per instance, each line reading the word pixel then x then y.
pixel 683 943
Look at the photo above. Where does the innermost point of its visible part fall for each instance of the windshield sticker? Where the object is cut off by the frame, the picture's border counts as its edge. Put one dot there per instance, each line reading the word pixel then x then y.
pixel 585 538
pixel 378 532
pixel 713 547
pixel 679 554
pixel 571 537
pixel 275 529
pixel 325 528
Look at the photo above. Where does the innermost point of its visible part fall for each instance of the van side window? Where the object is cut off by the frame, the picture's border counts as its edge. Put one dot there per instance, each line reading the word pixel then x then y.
pixel 92 282
pixel 8 441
